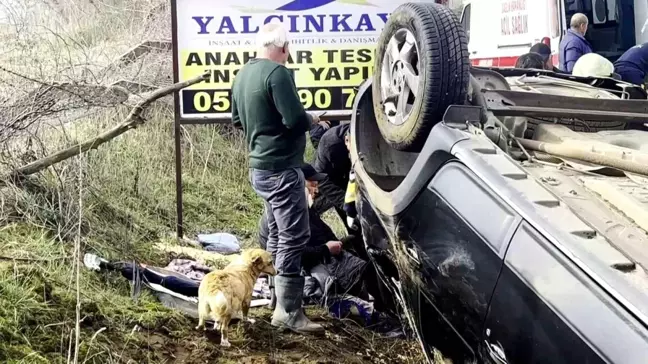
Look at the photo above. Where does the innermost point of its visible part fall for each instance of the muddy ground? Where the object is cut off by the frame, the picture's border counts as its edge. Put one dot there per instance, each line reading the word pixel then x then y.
pixel 344 342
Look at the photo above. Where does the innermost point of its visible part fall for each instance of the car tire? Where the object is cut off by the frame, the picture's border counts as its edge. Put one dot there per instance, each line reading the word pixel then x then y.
pixel 442 72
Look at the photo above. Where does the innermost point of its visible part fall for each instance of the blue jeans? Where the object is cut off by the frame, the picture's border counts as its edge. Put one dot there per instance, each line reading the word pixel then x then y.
pixel 287 212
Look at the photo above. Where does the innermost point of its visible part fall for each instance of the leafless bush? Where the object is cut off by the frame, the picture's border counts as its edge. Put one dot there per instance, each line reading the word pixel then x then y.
pixel 62 82
pixel 59 60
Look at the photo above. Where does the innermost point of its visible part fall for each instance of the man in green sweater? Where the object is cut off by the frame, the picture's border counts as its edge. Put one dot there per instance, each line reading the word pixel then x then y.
pixel 266 105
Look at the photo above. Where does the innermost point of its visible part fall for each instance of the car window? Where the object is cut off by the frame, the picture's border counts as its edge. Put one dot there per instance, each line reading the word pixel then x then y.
pixel 544 298
pixel 439 231
pixel 485 212
pixel 455 267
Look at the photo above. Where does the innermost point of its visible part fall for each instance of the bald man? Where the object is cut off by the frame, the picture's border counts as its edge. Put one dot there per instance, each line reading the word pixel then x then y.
pixel 574 45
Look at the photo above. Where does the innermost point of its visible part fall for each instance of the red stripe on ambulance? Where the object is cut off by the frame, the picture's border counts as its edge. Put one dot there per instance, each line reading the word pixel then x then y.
pixel 503 62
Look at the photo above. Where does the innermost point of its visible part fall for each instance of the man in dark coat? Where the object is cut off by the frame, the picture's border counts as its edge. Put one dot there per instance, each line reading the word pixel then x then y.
pixel 333 156
pixel 333 160
pixel 326 254
pixel 574 45
pixel 317 131
pixel 633 64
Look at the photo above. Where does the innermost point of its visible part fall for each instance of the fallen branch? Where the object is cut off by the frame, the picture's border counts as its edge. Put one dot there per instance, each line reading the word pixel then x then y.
pixel 31 260
pixel 132 121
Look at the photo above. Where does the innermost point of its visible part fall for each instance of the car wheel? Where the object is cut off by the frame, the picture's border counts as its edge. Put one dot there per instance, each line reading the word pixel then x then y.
pixel 421 68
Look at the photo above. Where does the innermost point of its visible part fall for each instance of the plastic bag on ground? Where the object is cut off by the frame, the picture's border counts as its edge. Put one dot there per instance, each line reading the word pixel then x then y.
pixel 222 243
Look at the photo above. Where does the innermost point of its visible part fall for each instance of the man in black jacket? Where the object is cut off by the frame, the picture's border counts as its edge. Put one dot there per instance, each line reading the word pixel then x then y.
pixel 322 245
pixel 317 131
pixel 324 250
pixel 333 156
pixel 333 160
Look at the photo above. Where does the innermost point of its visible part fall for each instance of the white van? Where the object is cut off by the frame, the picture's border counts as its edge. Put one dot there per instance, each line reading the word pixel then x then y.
pixel 500 31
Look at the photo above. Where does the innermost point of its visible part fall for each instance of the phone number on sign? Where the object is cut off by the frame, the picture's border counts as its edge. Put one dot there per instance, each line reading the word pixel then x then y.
pixel 219 101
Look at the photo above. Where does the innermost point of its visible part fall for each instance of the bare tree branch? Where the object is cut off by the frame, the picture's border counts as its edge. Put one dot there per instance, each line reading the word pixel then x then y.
pixel 132 121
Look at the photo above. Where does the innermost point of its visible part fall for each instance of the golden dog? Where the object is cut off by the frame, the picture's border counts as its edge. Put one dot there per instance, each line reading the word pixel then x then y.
pixel 227 293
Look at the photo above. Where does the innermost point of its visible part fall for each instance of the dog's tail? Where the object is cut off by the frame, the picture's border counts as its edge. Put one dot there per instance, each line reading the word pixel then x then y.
pixel 219 304
pixel 203 307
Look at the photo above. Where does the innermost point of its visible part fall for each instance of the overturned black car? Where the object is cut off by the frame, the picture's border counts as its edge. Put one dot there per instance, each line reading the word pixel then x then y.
pixel 505 210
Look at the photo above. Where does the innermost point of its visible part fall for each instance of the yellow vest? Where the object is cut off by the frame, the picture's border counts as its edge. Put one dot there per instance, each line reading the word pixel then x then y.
pixel 350 195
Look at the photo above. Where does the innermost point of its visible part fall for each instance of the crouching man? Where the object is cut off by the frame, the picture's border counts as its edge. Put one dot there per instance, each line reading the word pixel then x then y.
pixel 327 258
pixel 266 105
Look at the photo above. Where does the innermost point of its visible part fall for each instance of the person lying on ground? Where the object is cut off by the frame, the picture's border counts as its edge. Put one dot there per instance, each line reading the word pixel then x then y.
pixel 324 248
pixel 327 256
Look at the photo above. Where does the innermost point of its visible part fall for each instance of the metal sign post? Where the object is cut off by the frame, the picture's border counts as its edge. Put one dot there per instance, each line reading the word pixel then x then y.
pixel 176 122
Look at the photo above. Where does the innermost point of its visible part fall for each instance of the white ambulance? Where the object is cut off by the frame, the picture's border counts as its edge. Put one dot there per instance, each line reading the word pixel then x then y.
pixel 501 30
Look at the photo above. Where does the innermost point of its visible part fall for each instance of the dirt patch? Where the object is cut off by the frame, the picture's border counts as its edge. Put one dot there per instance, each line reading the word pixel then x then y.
pixel 260 343
pixel 37 321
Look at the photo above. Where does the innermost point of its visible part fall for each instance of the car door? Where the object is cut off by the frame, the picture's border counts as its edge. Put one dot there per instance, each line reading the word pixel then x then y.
pixel 546 310
pixel 453 236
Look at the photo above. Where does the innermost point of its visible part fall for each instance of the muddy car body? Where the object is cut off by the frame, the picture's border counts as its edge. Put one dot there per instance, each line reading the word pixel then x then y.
pixel 511 228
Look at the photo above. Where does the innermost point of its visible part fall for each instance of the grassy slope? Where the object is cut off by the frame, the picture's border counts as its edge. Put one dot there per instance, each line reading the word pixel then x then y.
pixel 125 191
pixel 128 205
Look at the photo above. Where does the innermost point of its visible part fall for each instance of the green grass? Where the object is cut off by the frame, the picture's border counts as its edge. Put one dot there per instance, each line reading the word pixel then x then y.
pixel 122 217
pixel 38 299
pixel 128 205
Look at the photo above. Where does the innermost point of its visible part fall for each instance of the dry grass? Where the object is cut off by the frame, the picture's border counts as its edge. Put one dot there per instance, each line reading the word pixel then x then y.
pixel 124 194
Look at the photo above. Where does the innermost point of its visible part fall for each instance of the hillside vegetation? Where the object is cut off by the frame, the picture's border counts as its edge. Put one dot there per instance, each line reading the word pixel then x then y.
pixel 117 201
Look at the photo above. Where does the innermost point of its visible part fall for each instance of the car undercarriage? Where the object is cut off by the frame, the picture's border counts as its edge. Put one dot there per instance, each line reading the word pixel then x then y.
pixel 507 220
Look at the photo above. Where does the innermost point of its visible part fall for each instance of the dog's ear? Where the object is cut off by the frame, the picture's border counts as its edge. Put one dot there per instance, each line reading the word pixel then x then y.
pixel 258 261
